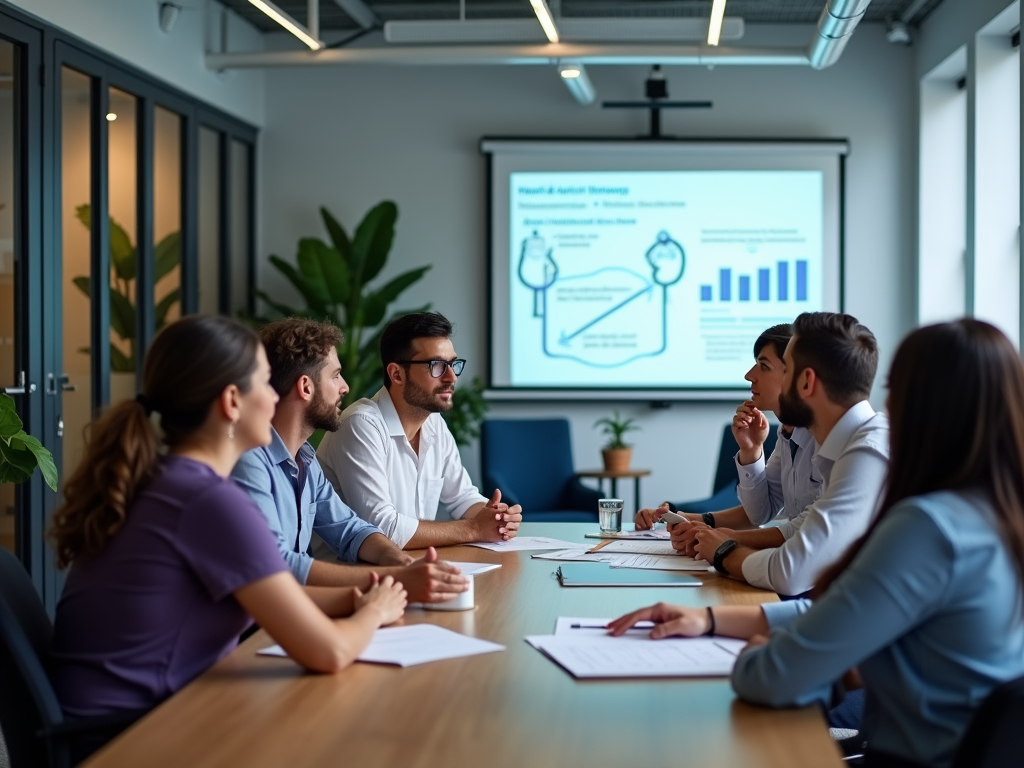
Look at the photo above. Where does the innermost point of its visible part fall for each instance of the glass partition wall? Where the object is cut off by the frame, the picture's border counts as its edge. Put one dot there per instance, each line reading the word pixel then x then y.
pixel 123 206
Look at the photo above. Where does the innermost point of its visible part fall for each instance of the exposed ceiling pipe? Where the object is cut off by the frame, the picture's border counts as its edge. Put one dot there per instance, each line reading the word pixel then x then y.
pixel 359 12
pixel 481 55
pixel 835 26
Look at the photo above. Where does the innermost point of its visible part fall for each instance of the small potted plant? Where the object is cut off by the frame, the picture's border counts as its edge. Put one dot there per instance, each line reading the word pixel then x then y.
pixel 616 453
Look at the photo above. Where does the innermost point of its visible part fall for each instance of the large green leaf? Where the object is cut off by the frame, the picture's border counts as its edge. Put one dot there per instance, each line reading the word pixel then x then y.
pixel 122 315
pixel 84 284
pixel 282 309
pixel 164 306
pixel 166 256
pixel 326 274
pixel 10 423
pixel 44 459
pixel 372 242
pixel 394 288
pixel 17 463
pixel 299 282
pixel 119 361
pixel 338 235
pixel 122 252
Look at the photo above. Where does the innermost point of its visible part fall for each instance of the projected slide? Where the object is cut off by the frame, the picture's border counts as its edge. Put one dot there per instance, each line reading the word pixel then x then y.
pixel 659 279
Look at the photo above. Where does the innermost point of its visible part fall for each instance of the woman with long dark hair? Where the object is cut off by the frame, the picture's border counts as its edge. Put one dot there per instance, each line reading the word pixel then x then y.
pixel 928 604
pixel 169 558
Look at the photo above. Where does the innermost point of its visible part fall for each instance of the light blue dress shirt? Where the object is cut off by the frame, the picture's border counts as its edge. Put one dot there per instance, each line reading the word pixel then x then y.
pixel 280 486
pixel 930 612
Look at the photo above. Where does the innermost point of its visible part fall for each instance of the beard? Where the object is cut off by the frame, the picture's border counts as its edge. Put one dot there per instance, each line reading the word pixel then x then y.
pixel 323 415
pixel 793 412
pixel 427 399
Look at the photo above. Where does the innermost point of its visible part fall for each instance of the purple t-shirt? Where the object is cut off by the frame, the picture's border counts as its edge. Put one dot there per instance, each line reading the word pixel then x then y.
pixel 154 608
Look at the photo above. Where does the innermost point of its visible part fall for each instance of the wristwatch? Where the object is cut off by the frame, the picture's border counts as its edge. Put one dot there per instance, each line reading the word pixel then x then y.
pixel 723 552
pixel 709 519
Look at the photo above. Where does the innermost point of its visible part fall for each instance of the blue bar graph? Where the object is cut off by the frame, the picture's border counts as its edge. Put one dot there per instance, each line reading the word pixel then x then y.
pixel 801 281
pixel 744 288
pixel 763 278
pixel 725 285
pixel 705 293
pixel 783 281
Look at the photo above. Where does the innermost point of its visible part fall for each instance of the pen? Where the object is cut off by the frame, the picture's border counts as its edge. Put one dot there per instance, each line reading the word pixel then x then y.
pixel 638 625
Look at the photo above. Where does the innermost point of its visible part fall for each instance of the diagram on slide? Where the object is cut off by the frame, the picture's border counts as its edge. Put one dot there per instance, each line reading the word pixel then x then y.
pixel 608 317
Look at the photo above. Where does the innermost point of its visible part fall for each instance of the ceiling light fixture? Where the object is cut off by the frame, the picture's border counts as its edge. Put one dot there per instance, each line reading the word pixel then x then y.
pixel 111 117
pixel 575 78
pixel 288 23
pixel 715 25
pixel 547 22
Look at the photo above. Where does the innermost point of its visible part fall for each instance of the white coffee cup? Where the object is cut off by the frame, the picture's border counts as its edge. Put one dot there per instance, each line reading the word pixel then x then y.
pixel 464 601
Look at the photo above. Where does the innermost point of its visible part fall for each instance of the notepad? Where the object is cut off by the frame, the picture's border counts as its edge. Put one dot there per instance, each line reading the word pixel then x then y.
pixel 600 575
pixel 636 655
pixel 414 644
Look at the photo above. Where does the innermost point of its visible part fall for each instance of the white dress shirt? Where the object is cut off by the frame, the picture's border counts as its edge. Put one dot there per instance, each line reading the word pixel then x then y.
pixel 852 461
pixel 374 469
pixel 784 485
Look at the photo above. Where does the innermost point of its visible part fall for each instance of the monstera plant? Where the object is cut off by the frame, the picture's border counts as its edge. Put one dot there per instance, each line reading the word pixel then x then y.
pixel 334 279
pixel 123 272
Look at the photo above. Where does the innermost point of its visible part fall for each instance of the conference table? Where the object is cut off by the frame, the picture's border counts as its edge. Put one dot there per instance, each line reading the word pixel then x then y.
pixel 511 709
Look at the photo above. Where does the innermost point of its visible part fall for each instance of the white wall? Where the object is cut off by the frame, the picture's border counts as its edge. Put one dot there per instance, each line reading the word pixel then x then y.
pixel 129 29
pixel 347 137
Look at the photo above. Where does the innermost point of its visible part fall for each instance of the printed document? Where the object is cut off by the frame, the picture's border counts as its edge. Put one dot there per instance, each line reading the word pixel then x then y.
pixel 627 560
pixel 473 569
pixel 414 644
pixel 522 543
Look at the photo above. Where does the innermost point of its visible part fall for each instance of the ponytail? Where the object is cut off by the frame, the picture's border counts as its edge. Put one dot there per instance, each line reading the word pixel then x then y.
pixel 122 449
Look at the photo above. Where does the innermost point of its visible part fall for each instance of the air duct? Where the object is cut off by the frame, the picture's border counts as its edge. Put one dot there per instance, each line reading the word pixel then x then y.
pixel 835 26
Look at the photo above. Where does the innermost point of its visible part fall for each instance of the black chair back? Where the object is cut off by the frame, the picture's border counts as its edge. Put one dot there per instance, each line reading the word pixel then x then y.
pixel 993 738
pixel 28 704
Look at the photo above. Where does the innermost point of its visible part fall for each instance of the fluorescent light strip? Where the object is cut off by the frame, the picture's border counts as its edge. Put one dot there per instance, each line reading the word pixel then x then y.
pixel 288 23
pixel 540 7
pixel 715 26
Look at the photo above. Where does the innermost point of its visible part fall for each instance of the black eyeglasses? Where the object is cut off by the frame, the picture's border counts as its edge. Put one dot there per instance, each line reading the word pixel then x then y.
pixel 437 367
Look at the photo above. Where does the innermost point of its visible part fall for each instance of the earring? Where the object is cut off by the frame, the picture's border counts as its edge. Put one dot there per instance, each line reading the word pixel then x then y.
pixel 231 431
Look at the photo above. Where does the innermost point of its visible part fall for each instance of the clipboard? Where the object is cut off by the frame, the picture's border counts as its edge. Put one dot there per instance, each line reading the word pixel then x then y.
pixel 600 575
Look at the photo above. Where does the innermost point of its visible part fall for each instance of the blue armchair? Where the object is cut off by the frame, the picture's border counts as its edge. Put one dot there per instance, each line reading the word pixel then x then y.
pixel 724 490
pixel 530 460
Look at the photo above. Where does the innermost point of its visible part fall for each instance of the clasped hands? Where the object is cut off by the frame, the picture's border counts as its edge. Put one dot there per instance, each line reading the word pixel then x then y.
pixel 500 521
pixel 698 540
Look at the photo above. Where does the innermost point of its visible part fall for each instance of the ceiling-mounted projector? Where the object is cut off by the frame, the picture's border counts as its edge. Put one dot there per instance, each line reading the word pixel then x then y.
pixel 571 30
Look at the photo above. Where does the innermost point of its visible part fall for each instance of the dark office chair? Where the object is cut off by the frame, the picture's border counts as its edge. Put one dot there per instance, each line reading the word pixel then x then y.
pixel 724 490
pixel 531 462
pixel 34 727
pixel 992 740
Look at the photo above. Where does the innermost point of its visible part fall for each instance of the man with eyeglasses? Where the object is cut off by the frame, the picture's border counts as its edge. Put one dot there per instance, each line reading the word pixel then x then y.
pixel 393 459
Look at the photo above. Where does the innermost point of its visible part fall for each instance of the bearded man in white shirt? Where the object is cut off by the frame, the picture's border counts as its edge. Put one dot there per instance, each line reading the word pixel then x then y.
pixel 830 365
pixel 393 459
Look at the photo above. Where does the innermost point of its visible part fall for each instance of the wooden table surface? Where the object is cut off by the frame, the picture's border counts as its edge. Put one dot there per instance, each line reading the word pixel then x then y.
pixel 512 709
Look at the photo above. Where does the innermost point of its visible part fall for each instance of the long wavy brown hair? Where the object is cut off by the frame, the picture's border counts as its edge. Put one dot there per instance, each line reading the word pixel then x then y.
pixel 956 422
pixel 187 368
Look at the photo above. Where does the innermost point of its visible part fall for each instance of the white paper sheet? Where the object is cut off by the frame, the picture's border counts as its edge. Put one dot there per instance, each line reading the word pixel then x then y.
pixel 636 655
pixel 473 569
pixel 640 547
pixel 522 543
pixel 627 560
pixel 583 626
pixel 415 644
pixel 660 533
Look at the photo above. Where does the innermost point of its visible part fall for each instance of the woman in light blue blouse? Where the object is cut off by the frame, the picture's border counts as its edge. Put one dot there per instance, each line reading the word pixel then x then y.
pixel 928 605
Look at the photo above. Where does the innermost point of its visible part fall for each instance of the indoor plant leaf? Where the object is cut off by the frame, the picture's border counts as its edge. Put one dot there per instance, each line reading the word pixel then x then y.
pixel 122 315
pixel 299 282
pixel 338 236
pixel 10 422
pixel 119 361
pixel 392 289
pixel 311 267
pixel 122 252
pixel 372 242
pixel 84 284
pixel 44 459
pixel 335 272
pixel 166 256
pixel 15 455
pixel 164 306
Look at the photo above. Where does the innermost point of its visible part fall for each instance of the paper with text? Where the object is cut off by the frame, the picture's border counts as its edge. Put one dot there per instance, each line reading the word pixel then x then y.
pixel 472 569
pixel 660 533
pixel 627 560
pixel 523 543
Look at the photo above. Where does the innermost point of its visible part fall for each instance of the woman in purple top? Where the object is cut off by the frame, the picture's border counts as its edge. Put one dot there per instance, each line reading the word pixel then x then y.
pixel 170 558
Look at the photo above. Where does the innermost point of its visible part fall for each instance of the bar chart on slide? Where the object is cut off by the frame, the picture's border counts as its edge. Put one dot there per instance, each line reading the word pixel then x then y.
pixel 757 286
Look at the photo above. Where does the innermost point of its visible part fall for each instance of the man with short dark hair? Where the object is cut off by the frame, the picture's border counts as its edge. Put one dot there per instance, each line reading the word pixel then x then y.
pixel 830 366
pixel 287 483
pixel 393 459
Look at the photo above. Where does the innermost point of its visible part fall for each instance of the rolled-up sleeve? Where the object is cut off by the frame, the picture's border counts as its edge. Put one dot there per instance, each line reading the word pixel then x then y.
pixel 354 461
pixel 829 526
pixel 811 646
pixel 335 522
pixel 253 474
pixel 458 493
pixel 760 486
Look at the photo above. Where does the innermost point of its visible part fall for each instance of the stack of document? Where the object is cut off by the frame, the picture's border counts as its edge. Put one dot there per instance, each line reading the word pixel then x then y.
pixel 661 533
pixel 415 644
pixel 627 560
pixel 586 650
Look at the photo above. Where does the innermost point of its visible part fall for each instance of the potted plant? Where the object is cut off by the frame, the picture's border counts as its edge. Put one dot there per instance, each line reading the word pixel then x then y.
pixel 616 453
pixel 20 454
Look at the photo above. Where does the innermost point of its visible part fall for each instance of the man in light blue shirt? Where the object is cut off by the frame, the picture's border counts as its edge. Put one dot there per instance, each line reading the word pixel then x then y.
pixel 286 481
